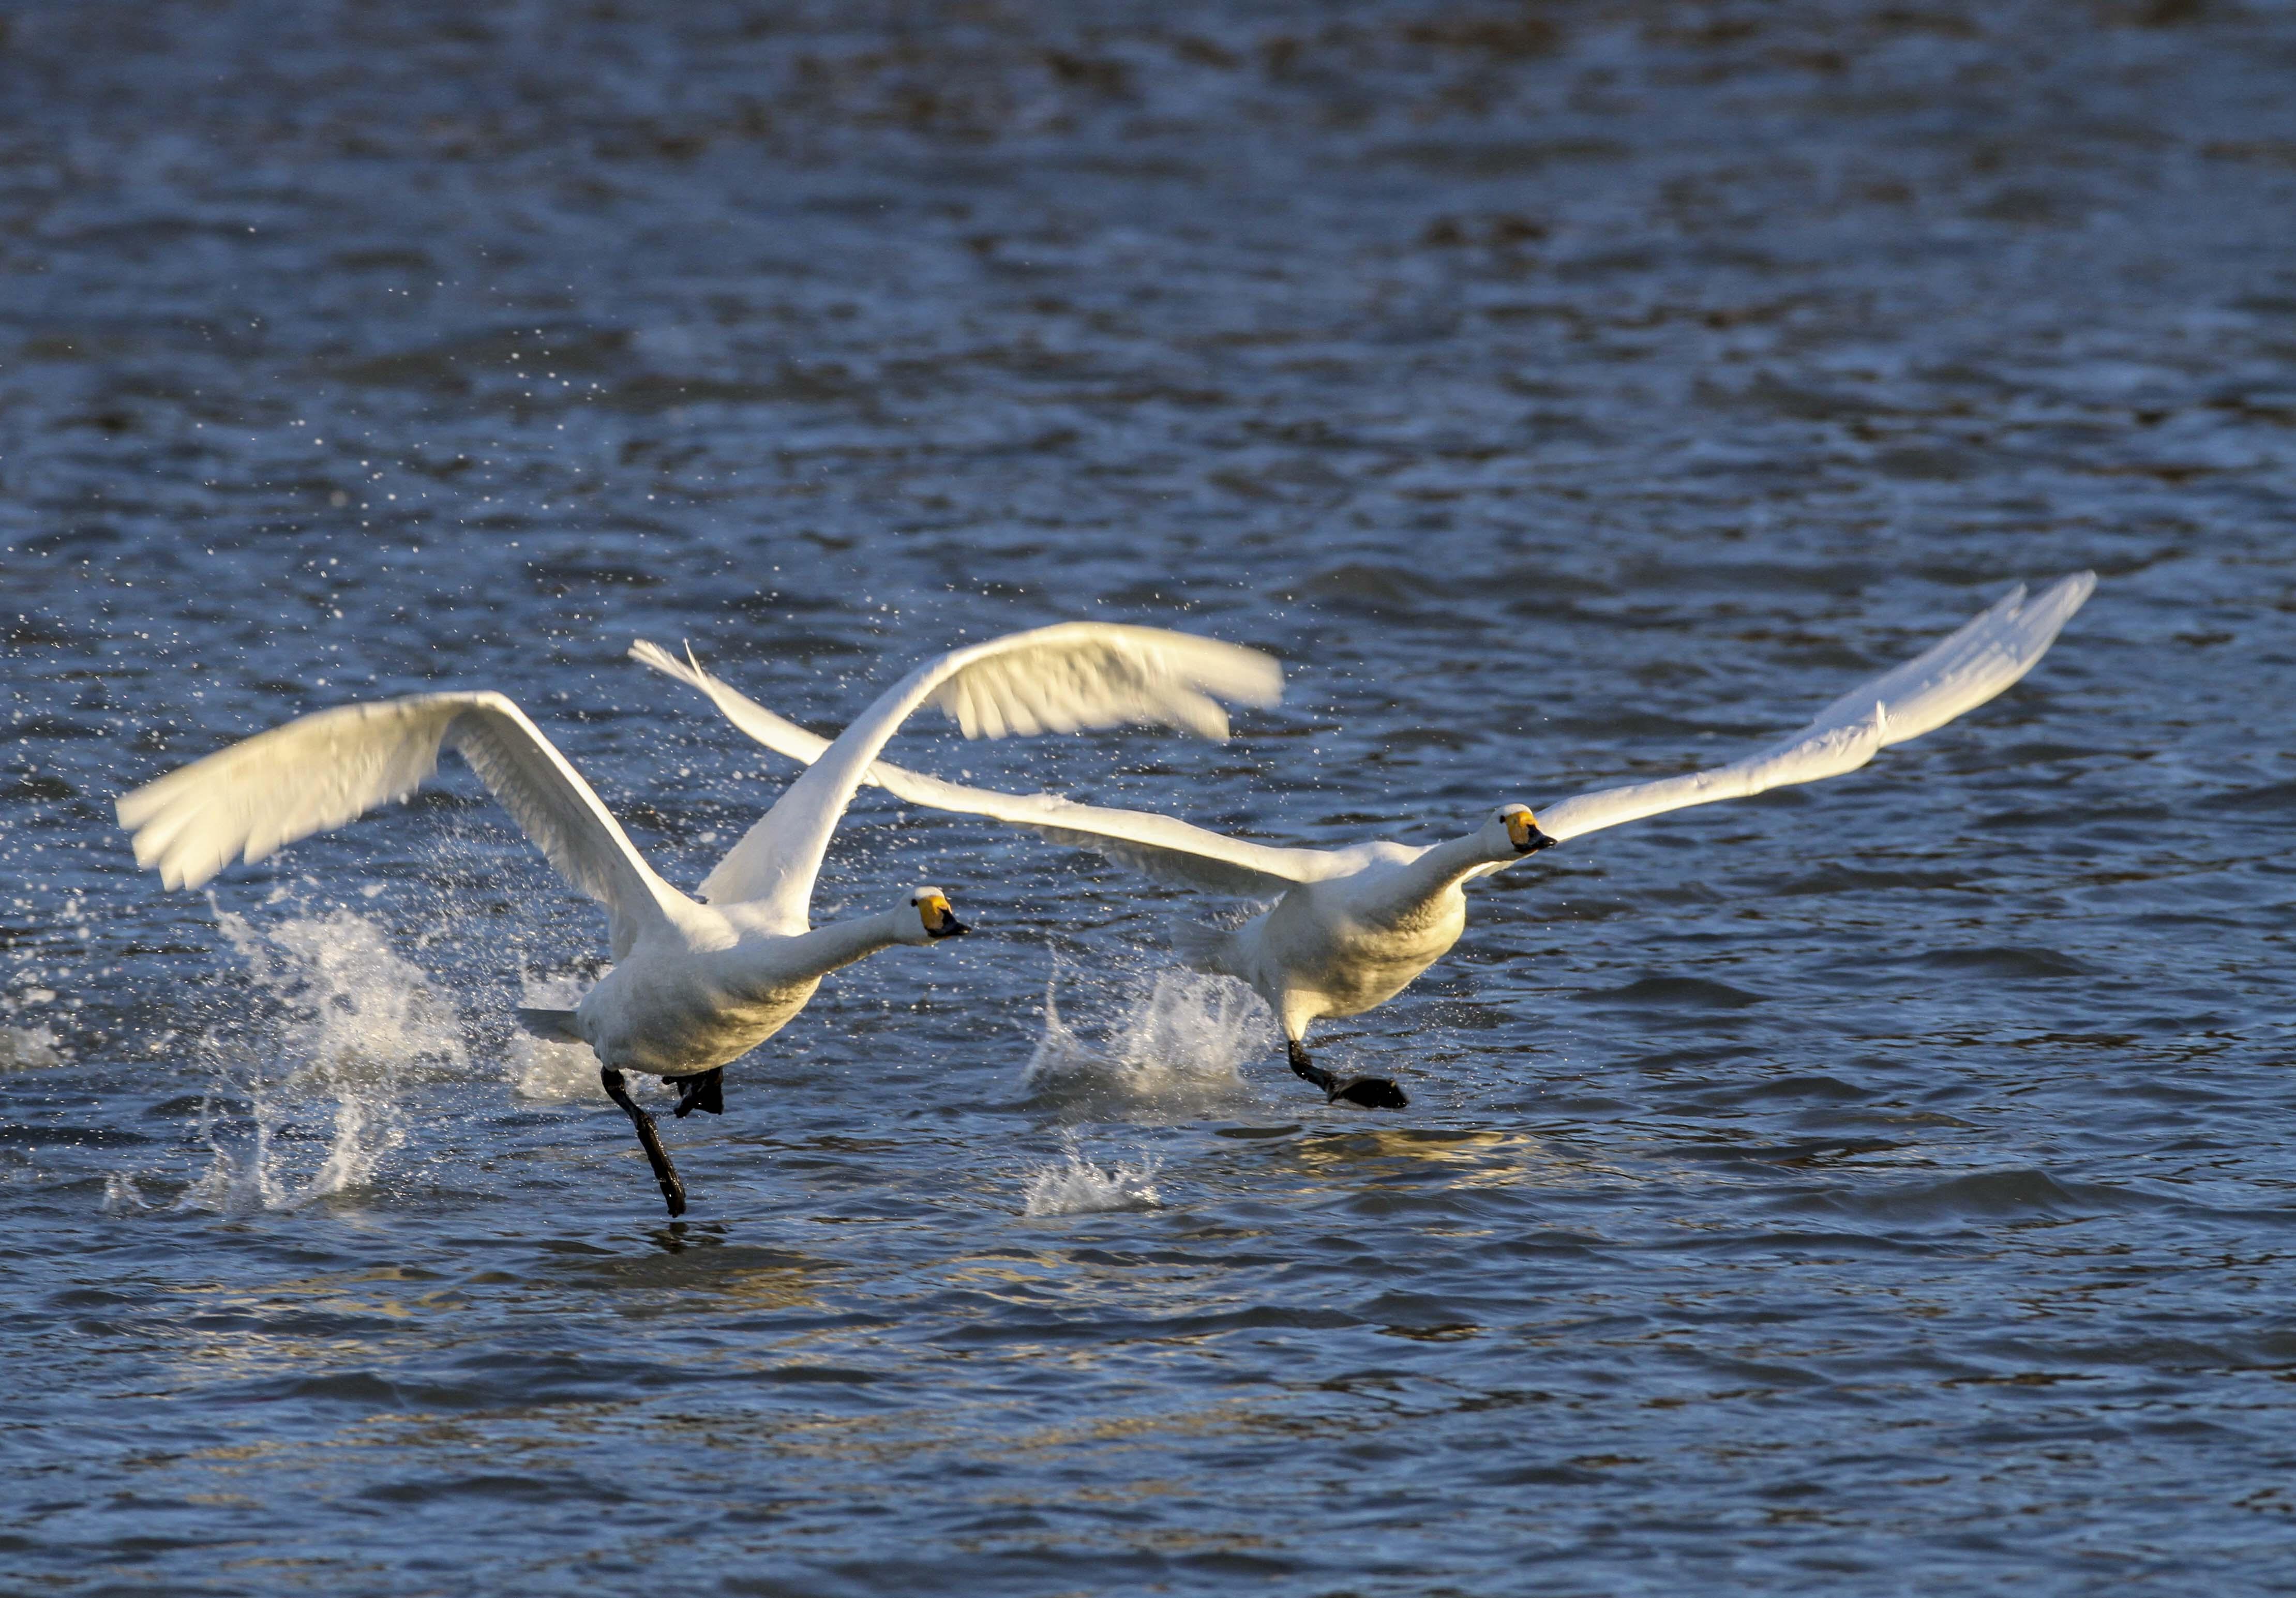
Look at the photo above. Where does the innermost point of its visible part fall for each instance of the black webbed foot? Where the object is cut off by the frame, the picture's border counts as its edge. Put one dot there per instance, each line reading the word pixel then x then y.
pixel 1368 1093
pixel 673 1191
pixel 703 1091
pixel 1365 1093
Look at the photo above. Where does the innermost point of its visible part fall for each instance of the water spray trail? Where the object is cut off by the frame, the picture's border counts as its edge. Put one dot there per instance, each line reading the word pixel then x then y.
pixel 1077 1187
pixel 553 1073
pixel 1183 1035
pixel 350 1025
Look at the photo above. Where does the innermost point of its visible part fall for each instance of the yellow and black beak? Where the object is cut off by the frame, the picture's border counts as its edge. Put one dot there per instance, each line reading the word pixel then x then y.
pixel 940 921
pixel 1523 830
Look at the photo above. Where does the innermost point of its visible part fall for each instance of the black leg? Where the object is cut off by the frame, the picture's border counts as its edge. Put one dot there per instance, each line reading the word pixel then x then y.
pixel 673 1191
pixel 704 1090
pixel 1301 1066
pixel 1365 1093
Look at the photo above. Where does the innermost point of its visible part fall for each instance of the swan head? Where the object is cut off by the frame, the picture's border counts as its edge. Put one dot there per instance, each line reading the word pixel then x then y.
pixel 935 919
pixel 1522 829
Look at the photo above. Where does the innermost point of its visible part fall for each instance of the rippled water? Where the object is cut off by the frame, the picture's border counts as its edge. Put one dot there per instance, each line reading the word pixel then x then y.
pixel 1872 1187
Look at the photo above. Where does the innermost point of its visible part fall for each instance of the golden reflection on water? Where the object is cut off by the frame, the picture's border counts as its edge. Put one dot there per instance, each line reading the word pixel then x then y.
pixel 767 1287
pixel 685 1282
pixel 1474 1158
pixel 826 1464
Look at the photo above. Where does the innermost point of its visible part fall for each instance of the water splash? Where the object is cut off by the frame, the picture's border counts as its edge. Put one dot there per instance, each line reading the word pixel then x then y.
pixel 1077 1187
pixel 121 1195
pixel 343 1027
pixel 1182 1036
pixel 31 1048
pixel 34 1047
pixel 548 1072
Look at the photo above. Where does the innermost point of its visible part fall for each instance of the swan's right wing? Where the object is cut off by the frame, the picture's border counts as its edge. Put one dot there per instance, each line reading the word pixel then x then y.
pixel 1984 656
pixel 1156 846
pixel 322 770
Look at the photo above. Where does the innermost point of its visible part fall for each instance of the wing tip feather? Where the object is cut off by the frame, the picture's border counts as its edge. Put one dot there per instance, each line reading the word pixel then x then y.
pixel 646 652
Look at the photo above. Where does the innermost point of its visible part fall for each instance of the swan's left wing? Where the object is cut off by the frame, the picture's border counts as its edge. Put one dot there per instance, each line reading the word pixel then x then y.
pixel 320 771
pixel 1958 674
pixel 1160 847
pixel 1077 673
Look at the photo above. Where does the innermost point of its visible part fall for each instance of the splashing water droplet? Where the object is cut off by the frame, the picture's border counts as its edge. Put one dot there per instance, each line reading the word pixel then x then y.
pixel 120 1196
pixel 351 1026
pixel 1184 1038
pixel 553 1073
pixel 1077 1187
pixel 31 1048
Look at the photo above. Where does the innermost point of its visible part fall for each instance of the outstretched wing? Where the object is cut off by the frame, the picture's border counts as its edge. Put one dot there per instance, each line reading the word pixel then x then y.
pixel 1958 674
pixel 1056 678
pixel 1156 846
pixel 319 771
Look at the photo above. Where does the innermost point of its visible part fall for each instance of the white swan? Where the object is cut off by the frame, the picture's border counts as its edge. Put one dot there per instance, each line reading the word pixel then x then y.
pixel 1350 927
pixel 694 984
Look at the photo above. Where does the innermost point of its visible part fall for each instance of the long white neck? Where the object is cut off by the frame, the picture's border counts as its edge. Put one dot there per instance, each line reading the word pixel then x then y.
pixel 811 956
pixel 1439 870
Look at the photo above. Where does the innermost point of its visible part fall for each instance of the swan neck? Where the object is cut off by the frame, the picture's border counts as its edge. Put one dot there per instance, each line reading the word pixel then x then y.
pixel 1435 872
pixel 1449 864
pixel 825 949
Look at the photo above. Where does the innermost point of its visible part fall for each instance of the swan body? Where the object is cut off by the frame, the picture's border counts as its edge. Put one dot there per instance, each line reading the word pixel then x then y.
pixel 696 983
pixel 1351 927
pixel 700 994
pixel 1344 944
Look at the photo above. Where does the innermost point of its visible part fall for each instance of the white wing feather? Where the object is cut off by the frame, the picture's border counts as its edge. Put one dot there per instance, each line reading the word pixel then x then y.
pixel 320 771
pixel 1958 674
pixel 1057 679
pixel 1082 673
pixel 1156 846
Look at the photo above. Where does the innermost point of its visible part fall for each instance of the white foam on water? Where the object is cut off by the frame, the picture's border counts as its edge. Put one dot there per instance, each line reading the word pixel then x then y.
pixel 352 1026
pixel 1181 1036
pixel 1077 1187
pixel 548 1072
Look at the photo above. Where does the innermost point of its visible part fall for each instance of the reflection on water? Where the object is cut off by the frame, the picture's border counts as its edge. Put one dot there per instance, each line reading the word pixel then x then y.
pixel 1368 1158
pixel 1874 1187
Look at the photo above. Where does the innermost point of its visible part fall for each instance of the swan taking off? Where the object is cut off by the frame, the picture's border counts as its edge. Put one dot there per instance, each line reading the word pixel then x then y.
pixel 1351 927
pixel 695 984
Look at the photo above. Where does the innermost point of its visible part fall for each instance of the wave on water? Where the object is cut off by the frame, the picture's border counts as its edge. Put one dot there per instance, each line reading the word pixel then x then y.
pixel 1077 1187
pixel 1182 1036
pixel 343 1027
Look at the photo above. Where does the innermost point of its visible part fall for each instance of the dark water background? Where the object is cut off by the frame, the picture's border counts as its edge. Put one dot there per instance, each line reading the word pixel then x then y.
pixel 1879 1187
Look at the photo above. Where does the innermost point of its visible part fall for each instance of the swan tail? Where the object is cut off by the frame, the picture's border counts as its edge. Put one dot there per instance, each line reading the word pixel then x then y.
pixel 555 1025
pixel 1206 949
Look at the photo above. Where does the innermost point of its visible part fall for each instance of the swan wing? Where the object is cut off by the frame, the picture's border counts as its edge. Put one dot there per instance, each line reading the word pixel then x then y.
pixel 320 771
pixel 1165 850
pixel 1958 674
pixel 1051 679
pixel 1160 847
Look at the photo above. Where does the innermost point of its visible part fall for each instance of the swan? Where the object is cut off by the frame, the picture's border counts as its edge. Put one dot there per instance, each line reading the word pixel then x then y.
pixel 696 981
pixel 1351 927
